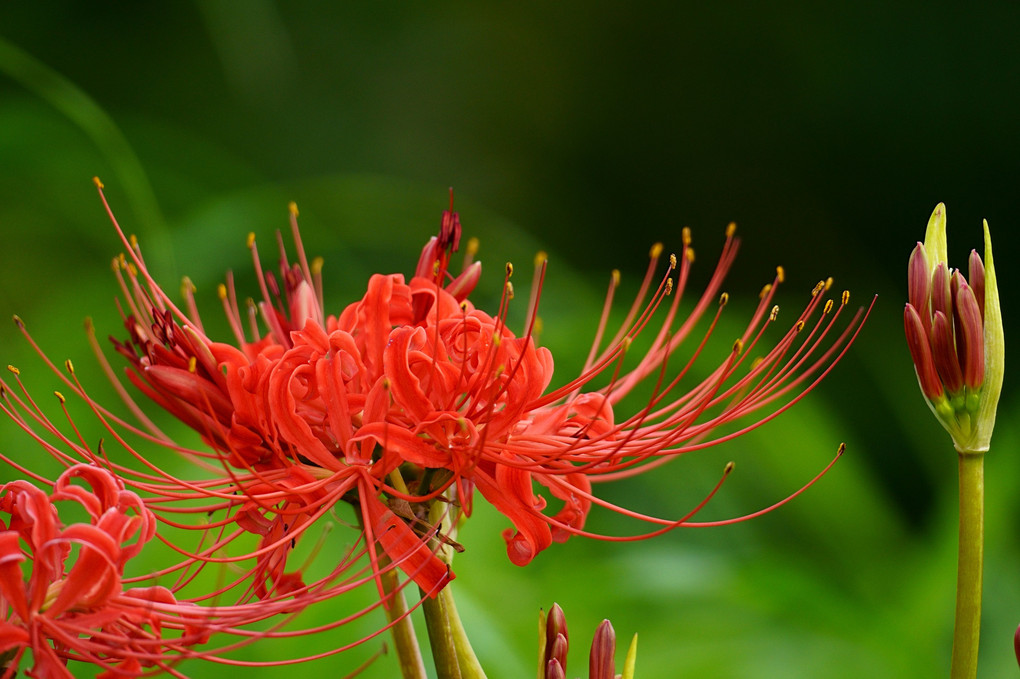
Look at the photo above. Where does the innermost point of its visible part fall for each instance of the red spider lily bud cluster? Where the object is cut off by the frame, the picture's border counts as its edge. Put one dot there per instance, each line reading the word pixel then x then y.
pixel 954 332
pixel 397 410
pixel 554 644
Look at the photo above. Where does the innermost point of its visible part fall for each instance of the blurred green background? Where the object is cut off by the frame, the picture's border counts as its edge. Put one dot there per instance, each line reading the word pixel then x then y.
pixel 827 132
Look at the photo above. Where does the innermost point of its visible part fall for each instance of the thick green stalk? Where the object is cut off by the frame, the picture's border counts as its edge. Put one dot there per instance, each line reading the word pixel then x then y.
pixel 971 557
pixel 444 651
pixel 408 653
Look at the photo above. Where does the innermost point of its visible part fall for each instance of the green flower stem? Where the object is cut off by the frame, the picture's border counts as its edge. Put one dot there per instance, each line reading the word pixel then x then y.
pixel 968 579
pixel 470 668
pixel 451 650
pixel 408 652
pixel 444 650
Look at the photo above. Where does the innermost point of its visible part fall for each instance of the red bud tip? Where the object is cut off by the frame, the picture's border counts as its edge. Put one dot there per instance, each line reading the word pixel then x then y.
pixel 601 663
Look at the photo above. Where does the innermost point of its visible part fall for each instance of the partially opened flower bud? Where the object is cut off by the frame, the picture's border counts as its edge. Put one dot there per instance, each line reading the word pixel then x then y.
pixel 954 332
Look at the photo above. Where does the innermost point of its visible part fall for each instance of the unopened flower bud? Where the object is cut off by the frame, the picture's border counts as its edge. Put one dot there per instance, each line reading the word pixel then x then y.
pixel 954 333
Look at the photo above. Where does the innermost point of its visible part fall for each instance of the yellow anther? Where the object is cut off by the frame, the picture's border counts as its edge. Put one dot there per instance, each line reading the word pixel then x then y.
pixel 251 239
pixel 685 235
pixel 780 274
pixel 509 269
pixel 774 314
pixel 317 264
pixel 616 277
pixel 221 290
pixel 828 282
pixel 655 251
pixel 625 344
pixel 132 270
pixel 828 306
pixel 724 298
pixel 800 325
pixel 192 364
pixel 509 290
pixel 540 258
pixel 689 254
pixel 472 246
pixel 669 286
pixel 537 330
pixel 846 297
pixel 60 397
pixel 819 286
pixel 731 229
pixel 435 268
pixel 99 184
pixel 69 366
pixel 765 291
pixel 672 261
pixel 134 241
pixel 17 321
pixel 496 340
pixel 13 369
pixel 187 286
pixel 730 466
pixel 292 206
pixel 757 362
pixel 738 346
pixel 464 306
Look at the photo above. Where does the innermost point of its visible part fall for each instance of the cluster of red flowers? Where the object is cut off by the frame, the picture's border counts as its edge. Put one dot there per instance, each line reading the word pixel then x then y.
pixel 401 406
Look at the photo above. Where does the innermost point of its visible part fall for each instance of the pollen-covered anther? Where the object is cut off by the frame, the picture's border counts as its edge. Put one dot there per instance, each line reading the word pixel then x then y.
pixel 13 369
pixel 509 290
pixel 17 321
pixel 731 229
pixel 828 306
pixel 689 255
pixel 98 183
pixel 738 346
pixel 655 250
pixel 828 282
pixel 774 314
pixel 69 366
pixel 672 261
pixel 316 266
pixel 615 278
pixel 766 289
pixel 730 466
pixel 221 290
pixel 780 274
pixel 192 364
pixel 819 286
pixel 800 326
pixel 509 269
pixel 724 298
pixel 292 208
pixel 250 241
pixel 472 246
pixel 187 287
pixel 541 257
pixel 60 397
pixel 685 236
pixel 669 286
pixel 845 299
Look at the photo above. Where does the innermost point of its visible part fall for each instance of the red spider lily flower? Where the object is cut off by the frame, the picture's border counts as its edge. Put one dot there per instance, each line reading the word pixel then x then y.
pixel 65 607
pixel 412 396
